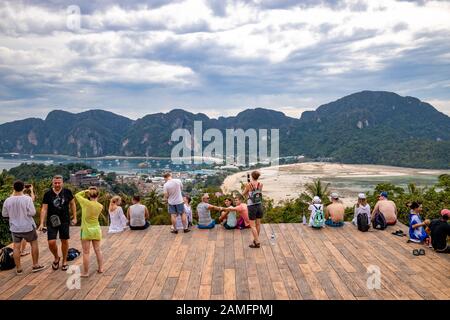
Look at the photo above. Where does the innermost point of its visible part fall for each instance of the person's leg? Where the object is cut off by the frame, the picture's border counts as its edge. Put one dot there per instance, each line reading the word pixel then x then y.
pixel 35 252
pixel 64 250
pixel 173 218
pixel 258 226
pixel 99 255
pixel 53 249
pixel 16 255
pixel 184 220
pixel 23 248
pixel 254 231
pixel 85 244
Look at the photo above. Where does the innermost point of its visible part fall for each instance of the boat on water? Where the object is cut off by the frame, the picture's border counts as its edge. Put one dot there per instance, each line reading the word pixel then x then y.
pixel 143 165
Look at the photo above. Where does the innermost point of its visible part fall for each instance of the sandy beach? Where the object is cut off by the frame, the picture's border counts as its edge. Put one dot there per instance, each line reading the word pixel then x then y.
pixel 287 181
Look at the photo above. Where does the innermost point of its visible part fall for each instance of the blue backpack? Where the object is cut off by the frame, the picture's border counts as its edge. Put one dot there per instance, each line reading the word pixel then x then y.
pixel 379 221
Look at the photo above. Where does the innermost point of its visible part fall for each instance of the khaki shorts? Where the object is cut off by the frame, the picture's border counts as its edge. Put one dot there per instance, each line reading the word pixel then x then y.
pixel 28 236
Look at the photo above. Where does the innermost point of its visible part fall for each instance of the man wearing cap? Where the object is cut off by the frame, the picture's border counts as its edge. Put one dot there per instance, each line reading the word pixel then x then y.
pixel 204 215
pixel 440 231
pixel 387 208
pixel 334 213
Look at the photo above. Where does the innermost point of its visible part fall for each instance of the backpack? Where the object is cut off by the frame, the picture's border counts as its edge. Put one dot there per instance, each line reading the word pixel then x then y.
pixel 256 195
pixel 379 221
pixel 6 259
pixel 319 218
pixel 363 222
pixel 72 254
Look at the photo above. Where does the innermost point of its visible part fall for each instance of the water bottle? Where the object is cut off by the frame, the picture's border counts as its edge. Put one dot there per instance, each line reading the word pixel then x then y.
pixel 304 219
pixel 272 239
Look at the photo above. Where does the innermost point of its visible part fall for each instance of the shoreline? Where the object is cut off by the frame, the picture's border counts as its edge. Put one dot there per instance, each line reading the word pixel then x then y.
pixel 287 182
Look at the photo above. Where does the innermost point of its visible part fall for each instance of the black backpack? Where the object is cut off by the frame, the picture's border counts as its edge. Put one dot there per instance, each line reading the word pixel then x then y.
pixel 6 259
pixel 256 194
pixel 72 254
pixel 363 222
pixel 379 221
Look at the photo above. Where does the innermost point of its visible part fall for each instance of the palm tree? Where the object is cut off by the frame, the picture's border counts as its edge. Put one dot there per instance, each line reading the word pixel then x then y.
pixel 154 202
pixel 315 188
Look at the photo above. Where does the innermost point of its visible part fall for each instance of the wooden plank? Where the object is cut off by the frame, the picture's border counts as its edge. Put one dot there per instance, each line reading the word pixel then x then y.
pixel 180 289
pixel 229 292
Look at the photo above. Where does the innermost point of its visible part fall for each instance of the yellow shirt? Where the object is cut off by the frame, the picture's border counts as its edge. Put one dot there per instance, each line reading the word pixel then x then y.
pixel 90 210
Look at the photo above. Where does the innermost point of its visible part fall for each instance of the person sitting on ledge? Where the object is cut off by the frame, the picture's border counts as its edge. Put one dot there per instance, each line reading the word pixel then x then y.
pixel 417 232
pixel 138 215
pixel 334 213
pixel 228 217
pixel 440 231
pixel 204 215
pixel 387 208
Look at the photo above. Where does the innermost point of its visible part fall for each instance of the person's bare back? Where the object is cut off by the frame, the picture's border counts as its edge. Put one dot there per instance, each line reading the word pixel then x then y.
pixel 335 211
pixel 388 209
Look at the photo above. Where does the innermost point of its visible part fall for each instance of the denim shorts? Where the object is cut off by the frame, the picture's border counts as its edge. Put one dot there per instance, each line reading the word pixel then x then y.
pixel 176 208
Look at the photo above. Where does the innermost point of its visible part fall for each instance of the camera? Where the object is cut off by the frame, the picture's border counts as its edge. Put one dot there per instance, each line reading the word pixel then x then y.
pixel 27 186
pixel 248 177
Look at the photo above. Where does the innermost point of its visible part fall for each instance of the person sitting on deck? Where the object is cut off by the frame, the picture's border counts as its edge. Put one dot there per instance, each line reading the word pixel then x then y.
pixel 204 215
pixel 138 215
pixel 314 207
pixel 387 208
pixel 243 222
pixel 228 217
pixel 334 213
pixel 188 210
pixel 362 207
pixel 440 231
pixel 118 220
pixel 417 231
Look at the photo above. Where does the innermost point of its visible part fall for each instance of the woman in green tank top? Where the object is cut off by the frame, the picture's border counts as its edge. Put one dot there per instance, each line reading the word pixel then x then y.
pixel 90 227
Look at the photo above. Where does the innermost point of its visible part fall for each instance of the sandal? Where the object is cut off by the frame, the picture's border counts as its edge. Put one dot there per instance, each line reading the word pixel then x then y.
pixel 38 268
pixel 25 253
pixel 416 252
pixel 255 245
pixel 55 264
pixel 19 272
pixel 399 233
pixel 421 252
pixel 64 267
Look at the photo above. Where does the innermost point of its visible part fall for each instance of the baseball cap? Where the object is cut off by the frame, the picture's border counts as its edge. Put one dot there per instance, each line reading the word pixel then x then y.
pixel 445 212
pixel 384 194
pixel 361 196
pixel 334 195
pixel 316 199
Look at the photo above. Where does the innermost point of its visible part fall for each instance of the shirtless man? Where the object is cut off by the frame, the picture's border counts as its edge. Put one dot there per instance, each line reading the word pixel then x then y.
pixel 334 212
pixel 387 208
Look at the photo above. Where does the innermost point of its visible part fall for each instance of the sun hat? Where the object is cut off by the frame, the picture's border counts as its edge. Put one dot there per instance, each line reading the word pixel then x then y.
pixel 361 196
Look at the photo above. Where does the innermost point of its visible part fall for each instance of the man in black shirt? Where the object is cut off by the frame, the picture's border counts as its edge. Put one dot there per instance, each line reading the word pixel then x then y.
pixel 440 230
pixel 55 214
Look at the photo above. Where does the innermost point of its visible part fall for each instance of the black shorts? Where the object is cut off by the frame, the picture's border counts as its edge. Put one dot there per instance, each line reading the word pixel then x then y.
pixel 255 211
pixel 29 236
pixel 63 230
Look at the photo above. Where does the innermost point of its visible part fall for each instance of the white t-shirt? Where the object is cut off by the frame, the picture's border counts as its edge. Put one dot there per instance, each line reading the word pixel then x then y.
pixel 313 208
pixel 358 211
pixel 173 187
pixel 137 215
pixel 20 211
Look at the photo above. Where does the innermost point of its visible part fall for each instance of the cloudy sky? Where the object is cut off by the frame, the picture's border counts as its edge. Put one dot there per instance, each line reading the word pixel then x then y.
pixel 218 57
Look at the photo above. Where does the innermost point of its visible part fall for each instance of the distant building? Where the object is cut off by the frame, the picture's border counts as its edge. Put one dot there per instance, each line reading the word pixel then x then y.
pixel 84 178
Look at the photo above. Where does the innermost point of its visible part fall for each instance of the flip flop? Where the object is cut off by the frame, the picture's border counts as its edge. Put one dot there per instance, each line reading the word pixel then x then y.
pixel 38 268
pixel 421 252
pixel 25 253
pixel 64 267
pixel 19 272
pixel 55 265
pixel 416 252
pixel 255 245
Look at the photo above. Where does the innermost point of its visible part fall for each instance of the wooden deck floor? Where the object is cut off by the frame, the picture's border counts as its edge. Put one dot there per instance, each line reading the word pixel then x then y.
pixel 217 264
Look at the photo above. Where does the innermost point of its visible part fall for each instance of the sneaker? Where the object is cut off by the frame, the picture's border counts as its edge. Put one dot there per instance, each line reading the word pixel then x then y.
pixel 187 230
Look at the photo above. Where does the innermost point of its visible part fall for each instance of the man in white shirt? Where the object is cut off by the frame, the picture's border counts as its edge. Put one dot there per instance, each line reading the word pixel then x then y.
pixel 173 195
pixel 19 209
